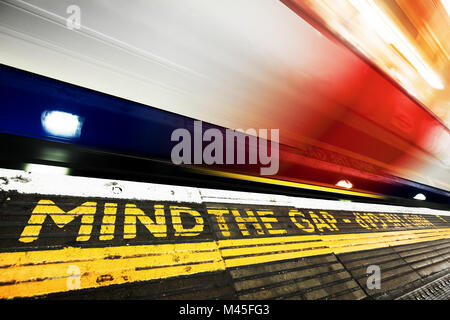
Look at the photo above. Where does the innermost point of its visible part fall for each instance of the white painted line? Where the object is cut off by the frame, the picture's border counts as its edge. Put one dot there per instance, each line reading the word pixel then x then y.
pixel 227 196
pixel 63 185
pixel 53 184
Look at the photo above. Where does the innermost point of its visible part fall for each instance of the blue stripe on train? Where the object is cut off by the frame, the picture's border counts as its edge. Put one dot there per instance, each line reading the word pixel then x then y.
pixel 110 123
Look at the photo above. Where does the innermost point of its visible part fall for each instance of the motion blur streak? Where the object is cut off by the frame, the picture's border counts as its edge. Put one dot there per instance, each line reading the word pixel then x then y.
pixel 446 4
pixel 390 34
pixel 406 39
pixel 288 183
pixel 241 64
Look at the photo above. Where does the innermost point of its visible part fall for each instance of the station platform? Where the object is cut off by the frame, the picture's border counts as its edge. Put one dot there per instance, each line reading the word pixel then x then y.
pixel 69 237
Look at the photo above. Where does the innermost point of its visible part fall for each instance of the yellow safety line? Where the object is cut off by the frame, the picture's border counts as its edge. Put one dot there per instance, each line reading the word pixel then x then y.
pixel 285 183
pixel 266 240
pixel 42 272
pixel 337 243
pixel 31 273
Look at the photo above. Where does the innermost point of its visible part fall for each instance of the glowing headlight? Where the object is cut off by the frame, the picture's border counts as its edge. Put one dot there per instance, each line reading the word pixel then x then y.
pixel 420 196
pixel 61 124
pixel 345 184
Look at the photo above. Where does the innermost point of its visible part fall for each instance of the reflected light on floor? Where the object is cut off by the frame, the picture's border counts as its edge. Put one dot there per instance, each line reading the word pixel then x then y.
pixel 46 169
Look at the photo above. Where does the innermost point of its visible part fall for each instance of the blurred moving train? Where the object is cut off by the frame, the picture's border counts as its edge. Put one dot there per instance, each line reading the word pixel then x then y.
pixel 103 99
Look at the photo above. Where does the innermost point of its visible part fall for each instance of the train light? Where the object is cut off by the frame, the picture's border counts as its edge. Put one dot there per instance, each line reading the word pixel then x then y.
pixel 61 124
pixel 344 184
pixel 420 196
